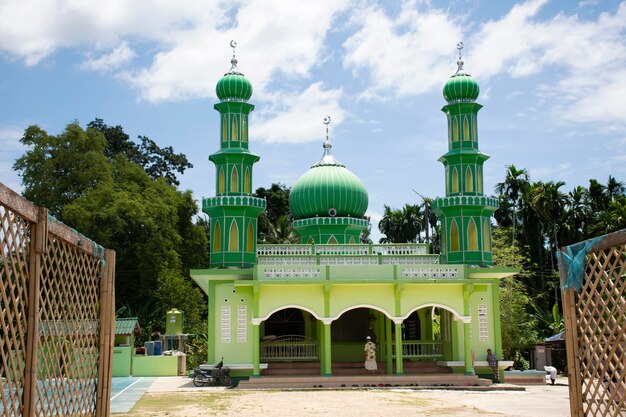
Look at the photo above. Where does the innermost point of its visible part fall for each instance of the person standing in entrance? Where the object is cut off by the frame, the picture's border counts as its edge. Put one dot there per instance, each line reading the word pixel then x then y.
pixel 492 361
pixel 370 355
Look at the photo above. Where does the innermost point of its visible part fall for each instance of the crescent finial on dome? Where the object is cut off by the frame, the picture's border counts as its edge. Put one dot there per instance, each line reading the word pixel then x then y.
pixel 327 158
pixel 460 62
pixel 233 61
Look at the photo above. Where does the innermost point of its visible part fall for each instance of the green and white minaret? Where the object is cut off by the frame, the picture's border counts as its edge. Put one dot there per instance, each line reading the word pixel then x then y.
pixel 234 211
pixel 465 212
pixel 329 202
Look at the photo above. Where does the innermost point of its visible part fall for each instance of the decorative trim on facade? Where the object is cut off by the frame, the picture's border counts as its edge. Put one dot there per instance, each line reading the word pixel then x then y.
pixel 466 200
pixel 410 260
pixel 244 201
pixel 425 273
pixel 342 221
pixel 349 260
pixel 282 273
pixel 374 249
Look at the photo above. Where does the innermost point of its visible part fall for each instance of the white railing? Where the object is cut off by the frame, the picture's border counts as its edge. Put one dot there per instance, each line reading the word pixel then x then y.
pixel 289 348
pixel 357 249
pixel 420 349
pixel 395 249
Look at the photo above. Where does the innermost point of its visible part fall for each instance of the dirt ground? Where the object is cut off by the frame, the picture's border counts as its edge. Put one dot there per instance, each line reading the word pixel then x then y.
pixel 535 401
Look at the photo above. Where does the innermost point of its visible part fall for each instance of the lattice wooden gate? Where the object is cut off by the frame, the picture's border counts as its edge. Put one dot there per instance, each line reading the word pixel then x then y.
pixel 57 305
pixel 594 291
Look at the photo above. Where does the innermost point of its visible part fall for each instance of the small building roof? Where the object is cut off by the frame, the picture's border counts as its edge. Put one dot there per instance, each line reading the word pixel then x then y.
pixel 127 326
pixel 559 337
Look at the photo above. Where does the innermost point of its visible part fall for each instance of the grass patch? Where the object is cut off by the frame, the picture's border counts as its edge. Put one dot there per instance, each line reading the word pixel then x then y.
pixel 173 403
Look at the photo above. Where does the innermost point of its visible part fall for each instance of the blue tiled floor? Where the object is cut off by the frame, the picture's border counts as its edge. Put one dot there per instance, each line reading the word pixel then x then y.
pixel 125 391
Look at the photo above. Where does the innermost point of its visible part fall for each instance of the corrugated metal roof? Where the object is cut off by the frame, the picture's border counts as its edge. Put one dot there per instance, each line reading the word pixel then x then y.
pixel 126 326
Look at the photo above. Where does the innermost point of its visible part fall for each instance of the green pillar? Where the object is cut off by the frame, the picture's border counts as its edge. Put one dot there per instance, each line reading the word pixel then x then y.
pixel 497 333
pixel 212 336
pixel 399 364
pixel 469 369
pixel 388 345
pixel 467 291
pixel 320 335
pixel 256 353
pixel 328 365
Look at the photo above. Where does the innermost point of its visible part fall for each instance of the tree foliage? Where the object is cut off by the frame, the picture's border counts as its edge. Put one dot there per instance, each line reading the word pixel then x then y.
pixel 91 184
pixel 157 162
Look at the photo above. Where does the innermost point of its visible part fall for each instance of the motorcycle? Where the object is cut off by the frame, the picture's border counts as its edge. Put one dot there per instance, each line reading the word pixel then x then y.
pixel 218 375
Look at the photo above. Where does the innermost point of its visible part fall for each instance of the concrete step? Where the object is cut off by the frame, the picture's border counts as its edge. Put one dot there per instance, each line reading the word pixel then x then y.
pixel 429 380
pixel 350 368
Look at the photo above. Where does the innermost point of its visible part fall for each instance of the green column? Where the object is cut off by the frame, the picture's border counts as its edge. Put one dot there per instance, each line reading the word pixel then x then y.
pixel 469 369
pixel 388 345
pixel 467 291
pixel 328 365
pixel 497 334
pixel 320 333
pixel 256 354
pixel 399 365
pixel 212 336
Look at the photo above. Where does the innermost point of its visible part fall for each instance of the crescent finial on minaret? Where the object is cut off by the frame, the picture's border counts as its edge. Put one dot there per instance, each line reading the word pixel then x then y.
pixel 233 61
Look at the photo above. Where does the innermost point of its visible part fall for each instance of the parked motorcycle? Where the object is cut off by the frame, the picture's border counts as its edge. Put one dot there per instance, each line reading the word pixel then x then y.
pixel 218 375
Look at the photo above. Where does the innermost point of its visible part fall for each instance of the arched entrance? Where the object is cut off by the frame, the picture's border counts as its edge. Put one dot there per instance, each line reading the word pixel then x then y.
pixel 289 321
pixel 290 336
pixel 348 337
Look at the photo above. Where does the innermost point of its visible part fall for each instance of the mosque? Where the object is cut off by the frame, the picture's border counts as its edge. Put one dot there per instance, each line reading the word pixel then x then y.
pixel 311 305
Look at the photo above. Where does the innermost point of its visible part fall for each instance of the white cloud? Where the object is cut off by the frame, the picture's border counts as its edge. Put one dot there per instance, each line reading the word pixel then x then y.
pixel 588 55
pixel 274 41
pixel 401 55
pixel 298 118
pixel 33 29
pixel 10 139
pixel 11 149
pixel 111 61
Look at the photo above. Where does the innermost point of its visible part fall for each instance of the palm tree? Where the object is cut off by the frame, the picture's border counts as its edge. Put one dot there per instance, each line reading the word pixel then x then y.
pixel 281 232
pixel 614 188
pixel 515 183
pixel 401 226
pixel 550 204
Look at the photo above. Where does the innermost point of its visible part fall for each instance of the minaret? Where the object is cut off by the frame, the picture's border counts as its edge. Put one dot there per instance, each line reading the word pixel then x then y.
pixel 234 211
pixel 465 212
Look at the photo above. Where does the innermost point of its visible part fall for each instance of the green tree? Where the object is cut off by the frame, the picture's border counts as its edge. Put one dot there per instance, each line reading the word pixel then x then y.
pixel 115 202
pixel 518 326
pixel 277 199
pixel 56 170
pixel 401 226
pixel 515 183
pixel 550 203
pixel 614 188
pixel 156 161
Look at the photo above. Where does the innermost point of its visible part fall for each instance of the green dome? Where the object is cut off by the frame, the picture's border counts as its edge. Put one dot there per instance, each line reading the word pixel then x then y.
pixel 461 87
pixel 233 86
pixel 327 187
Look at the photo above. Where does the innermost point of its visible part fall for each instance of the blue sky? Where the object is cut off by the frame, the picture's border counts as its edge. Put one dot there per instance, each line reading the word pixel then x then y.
pixel 551 75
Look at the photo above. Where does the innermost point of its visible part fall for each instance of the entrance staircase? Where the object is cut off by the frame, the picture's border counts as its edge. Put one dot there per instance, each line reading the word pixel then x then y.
pixel 354 375
pixel 350 368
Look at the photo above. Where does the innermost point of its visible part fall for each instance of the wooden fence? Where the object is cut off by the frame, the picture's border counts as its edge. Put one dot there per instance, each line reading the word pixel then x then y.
pixel 594 290
pixel 57 304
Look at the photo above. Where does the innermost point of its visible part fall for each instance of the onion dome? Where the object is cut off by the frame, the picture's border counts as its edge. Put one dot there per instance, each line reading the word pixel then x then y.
pixel 461 87
pixel 328 189
pixel 233 86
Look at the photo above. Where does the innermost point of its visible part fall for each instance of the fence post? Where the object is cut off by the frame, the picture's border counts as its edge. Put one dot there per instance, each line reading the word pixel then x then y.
pixel 571 345
pixel 107 326
pixel 38 244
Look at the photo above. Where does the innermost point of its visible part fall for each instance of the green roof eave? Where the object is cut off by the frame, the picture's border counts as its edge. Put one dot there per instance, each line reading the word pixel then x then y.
pixel 463 152
pixel 203 276
pixel 490 273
